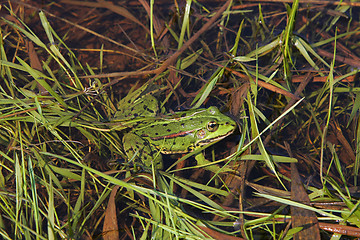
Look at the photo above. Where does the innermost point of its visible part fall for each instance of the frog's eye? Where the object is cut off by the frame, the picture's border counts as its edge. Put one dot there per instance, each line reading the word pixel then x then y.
pixel 212 126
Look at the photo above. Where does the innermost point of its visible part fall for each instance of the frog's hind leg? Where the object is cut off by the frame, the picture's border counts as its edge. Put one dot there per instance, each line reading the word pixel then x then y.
pixel 135 145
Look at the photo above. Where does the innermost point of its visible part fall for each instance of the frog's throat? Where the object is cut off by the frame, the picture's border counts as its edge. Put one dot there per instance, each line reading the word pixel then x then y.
pixel 204 142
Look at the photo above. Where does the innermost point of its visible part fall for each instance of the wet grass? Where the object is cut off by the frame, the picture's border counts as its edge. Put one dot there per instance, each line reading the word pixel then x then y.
pixel 285 72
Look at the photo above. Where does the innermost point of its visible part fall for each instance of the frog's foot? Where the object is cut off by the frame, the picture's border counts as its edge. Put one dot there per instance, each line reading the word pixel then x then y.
pixel 146 106
pixel 208 165
pixel 140 149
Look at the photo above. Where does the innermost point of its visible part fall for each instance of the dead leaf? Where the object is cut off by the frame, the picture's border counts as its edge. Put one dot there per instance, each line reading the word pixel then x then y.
pixel 110 228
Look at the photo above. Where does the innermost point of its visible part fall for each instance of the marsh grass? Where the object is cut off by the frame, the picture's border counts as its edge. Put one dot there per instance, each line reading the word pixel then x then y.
pixel 61 150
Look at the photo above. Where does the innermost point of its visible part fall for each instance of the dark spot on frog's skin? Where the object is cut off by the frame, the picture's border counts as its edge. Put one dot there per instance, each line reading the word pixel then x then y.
pixel 135 114
pixel 156 134
pixel 152 126
pixel 191 119
pixel 183 115
pixel 168 130
pixel 182 124
pixel 129 101
pixel 165 124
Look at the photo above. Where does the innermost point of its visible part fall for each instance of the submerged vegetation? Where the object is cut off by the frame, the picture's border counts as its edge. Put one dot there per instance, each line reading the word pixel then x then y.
pixel 75 76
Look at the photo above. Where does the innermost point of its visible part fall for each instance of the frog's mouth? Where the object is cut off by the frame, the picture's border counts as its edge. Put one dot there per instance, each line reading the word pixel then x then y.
pixel 204 142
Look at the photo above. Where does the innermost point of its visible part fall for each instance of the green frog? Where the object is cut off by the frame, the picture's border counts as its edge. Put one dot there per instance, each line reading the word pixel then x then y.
pixel 180 132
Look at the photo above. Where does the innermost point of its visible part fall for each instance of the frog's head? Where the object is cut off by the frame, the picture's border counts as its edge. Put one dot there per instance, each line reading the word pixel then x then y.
pixel 216 126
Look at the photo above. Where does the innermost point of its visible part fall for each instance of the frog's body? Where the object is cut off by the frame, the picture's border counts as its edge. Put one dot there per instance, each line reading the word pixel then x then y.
pixel 181 132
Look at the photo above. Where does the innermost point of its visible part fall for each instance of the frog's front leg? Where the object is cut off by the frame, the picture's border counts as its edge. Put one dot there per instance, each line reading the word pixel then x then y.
pixel 148 154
